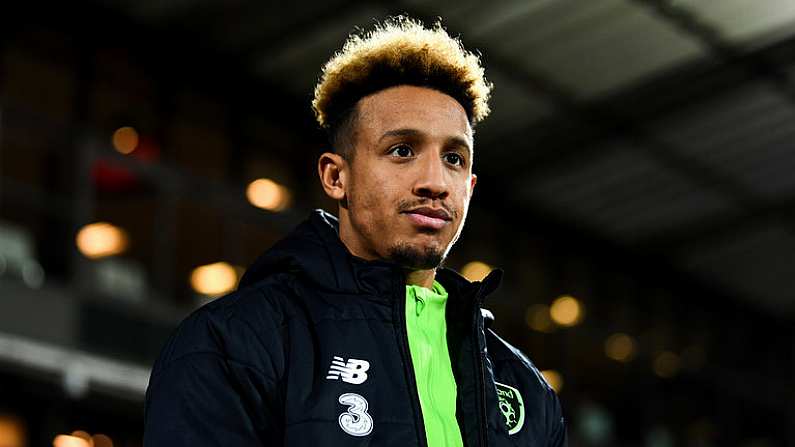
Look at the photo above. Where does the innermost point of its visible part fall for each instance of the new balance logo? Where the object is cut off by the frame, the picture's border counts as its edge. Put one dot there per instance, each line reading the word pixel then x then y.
pixel 354 371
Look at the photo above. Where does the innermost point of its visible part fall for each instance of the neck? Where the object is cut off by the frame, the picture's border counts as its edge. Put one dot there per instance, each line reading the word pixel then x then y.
pixel 423 278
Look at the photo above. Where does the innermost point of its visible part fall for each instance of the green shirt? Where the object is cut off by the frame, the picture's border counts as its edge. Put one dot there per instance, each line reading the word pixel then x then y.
pixel 427 332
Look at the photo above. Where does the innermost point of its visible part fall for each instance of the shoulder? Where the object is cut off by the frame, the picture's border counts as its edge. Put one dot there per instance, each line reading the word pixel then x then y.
pixel 504 354
pixel 514 370
pixel 235 326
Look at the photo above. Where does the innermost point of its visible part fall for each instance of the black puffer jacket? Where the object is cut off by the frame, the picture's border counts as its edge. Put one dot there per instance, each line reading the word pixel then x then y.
pixel 311 350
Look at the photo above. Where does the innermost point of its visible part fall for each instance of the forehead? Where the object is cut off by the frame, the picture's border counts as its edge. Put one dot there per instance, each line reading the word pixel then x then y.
pixel 408 106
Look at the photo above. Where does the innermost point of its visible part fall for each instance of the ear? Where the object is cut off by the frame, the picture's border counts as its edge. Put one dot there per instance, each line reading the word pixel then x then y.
pixel 472 183
pixel 333 171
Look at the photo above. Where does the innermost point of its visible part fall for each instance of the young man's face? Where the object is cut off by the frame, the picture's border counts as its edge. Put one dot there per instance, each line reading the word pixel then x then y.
pixel 410 178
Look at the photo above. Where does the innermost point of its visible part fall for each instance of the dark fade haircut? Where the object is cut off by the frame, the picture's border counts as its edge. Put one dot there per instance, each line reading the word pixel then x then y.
pixel 399 51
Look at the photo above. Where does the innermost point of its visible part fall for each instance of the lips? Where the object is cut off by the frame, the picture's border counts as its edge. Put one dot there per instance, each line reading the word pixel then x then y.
pixel 436 213
pixel 435 218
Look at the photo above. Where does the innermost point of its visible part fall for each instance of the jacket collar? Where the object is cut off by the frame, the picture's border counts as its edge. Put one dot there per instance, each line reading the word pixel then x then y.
pixel 314 250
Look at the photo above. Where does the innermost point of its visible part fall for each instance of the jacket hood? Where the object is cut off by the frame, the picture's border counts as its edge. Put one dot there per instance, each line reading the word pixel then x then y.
pixel 314 250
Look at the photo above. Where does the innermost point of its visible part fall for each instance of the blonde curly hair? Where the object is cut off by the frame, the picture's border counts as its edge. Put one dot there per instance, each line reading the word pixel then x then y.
pixel 399 51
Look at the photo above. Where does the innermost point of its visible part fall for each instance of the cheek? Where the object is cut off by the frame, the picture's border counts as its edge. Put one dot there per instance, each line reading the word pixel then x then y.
pixel 461 199
pixel 369 202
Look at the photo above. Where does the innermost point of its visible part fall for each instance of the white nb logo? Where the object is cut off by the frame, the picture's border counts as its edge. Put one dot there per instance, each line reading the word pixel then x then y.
pixel 354 371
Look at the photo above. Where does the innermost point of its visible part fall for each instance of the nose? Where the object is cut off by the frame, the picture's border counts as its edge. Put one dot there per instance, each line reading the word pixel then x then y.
pixel 431 179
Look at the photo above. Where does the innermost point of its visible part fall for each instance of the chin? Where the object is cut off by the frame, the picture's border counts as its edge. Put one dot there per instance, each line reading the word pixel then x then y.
pixel 417 256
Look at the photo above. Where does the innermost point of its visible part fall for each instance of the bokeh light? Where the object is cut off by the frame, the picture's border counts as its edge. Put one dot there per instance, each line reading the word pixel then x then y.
pixel 125 139
pixel 214 279
pixel 620 347
pixel 538 319
pixel 81 438
pixel 101 239
pixel 666 364
pixel 70 441
pixel 266 194
pixel 12 431
pixel 475 270
pixel 101 440
pixel 566 311
pixel 554 378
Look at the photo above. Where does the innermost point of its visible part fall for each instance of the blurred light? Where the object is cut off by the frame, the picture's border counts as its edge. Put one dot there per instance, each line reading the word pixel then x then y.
pixel 566 311
pixel 109 374
pixel 214 279
pixel 119 278
pixel 69 441
pixel 32 274
pixel 75 379
pixel 537 318
pixel 82 434
pixel 660 436
pixel 125 139
pixel 475 270
pixel 666 364
pixel 101 239
pixel 594 423
pixel 554 379
pixel 12 431
pixel 101 440
pixel 266 194
pixel 620 347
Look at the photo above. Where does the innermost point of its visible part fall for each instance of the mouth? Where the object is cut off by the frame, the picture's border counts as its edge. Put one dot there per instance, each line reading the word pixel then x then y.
pixel 426 217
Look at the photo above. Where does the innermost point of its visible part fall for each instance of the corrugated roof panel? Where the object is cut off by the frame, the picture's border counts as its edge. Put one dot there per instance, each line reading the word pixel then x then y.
pixel 589 47
pixel 759 263
pixel 512 105
pixel 749 23
pixel 298 65
pixel 450 11
pixel 154 10
pixel 625 194
pixel 255 21
pixel 482 19
pixel 748 134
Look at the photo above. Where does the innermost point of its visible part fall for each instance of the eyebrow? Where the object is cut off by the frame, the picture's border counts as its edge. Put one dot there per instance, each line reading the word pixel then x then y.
pixel 409 132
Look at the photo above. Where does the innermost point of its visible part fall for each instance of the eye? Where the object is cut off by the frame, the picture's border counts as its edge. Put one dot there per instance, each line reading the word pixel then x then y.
pixel 402 150
pixel 453 158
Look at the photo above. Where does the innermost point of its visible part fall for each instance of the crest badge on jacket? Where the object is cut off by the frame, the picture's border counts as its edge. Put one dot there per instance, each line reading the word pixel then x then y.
pixel 511 406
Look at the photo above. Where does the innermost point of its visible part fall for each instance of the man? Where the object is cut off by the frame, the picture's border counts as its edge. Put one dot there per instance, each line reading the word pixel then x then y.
pixel 348 332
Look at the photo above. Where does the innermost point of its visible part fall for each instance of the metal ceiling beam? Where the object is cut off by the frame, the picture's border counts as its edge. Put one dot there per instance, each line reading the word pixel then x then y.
pixel 759 65
pixel 689 22
pixel 611 120
pixel 655 99
pixel 723 226
pixel 272 40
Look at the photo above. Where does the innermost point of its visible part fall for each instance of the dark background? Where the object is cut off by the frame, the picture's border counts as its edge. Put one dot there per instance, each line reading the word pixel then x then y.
pixel 639 158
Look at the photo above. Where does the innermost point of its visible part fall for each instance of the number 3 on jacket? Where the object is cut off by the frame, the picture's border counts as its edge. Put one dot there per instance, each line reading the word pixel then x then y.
pixel 356 421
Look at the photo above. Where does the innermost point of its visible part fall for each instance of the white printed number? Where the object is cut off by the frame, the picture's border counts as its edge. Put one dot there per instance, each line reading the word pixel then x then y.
pixel 356 421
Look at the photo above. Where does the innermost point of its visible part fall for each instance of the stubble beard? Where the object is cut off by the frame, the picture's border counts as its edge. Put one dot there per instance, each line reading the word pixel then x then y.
pixel 416 258
pixel 406 254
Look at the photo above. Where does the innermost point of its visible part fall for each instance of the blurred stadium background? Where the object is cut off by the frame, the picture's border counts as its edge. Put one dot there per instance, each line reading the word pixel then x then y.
pixel 637 184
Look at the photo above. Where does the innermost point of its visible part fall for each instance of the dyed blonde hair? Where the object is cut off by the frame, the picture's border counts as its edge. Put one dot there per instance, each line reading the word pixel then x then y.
pixel 399 51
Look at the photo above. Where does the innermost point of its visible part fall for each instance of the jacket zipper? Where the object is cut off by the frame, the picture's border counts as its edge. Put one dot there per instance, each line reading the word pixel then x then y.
pixel 403 339
pixel 479 360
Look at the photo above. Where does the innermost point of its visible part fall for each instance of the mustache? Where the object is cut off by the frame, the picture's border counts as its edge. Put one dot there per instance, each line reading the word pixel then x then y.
pixel 406 205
